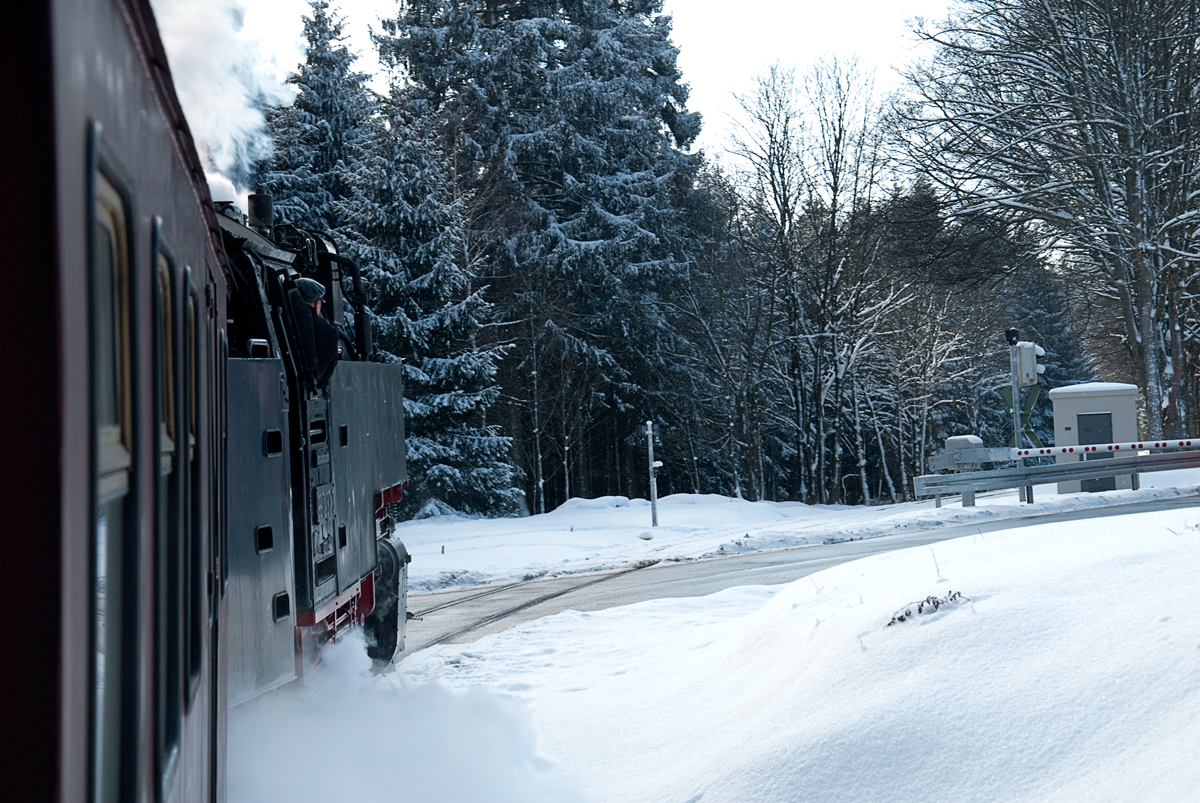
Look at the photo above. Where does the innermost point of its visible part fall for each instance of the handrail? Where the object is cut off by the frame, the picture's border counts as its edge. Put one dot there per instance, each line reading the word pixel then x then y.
pixel 364 343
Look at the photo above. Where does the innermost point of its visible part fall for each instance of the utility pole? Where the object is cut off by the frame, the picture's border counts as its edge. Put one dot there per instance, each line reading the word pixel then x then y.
pixel 653 474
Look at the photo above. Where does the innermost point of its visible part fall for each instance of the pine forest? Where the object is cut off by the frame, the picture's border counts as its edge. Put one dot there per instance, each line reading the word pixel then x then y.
pixel 806 317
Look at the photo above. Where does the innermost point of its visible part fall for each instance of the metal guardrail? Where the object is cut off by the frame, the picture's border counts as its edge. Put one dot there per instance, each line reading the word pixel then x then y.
pixel 968 459
pixel 971 482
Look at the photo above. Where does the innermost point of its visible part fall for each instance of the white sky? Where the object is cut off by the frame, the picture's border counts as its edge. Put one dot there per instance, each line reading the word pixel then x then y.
pixel 719 54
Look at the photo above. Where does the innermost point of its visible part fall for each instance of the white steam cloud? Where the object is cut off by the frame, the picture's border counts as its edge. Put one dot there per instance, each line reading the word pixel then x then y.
pixel 223 80
pixel 347 735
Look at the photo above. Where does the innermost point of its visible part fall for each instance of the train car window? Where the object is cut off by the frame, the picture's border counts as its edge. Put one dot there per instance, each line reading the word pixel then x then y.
pixel 193 371
pixel 223 496
pixel 194 541
pixel 166 368
pixel 169 673
pixel 111 318
pixel 111 338
pixel 216 368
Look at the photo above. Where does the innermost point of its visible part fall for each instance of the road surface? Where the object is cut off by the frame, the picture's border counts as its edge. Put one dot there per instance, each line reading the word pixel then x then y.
pixel 464 615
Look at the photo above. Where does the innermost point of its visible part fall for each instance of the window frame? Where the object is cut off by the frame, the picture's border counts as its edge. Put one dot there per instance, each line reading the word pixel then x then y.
pixel 115 473
pixel 193 455
pixel 168 663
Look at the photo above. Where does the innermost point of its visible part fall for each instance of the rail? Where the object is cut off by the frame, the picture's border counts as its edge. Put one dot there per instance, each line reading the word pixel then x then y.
pixel 507 612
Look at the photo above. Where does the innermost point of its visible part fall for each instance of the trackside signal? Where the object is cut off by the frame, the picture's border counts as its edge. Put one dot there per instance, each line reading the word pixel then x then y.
pixel 1028 367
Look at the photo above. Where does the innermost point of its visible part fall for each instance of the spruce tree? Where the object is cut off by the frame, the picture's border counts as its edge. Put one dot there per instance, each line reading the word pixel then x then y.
pixel 406 229
pixel 352 166
pixel 1034 301
pixel 568 127
pixel 316 136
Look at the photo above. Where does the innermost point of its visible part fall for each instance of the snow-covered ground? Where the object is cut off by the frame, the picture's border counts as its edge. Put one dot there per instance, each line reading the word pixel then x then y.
pixel 587 535
pixel 1067 670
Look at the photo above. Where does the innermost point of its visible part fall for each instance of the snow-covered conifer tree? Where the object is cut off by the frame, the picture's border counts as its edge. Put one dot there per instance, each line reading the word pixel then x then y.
pixel 406 229
pixel 316 136
pixel 567 124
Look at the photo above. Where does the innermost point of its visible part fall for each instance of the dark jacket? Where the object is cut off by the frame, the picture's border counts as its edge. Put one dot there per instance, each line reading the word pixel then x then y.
pixel 326 338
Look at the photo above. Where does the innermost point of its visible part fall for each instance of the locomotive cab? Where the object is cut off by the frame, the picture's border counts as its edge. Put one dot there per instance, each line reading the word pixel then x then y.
pixel 313 463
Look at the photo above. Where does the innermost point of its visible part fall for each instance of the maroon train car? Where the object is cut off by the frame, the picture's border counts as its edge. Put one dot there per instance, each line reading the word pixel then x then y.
pixel 147 592
pixel 112 450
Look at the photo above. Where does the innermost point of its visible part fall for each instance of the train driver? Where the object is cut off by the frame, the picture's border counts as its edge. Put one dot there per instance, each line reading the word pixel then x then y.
pixel 325 335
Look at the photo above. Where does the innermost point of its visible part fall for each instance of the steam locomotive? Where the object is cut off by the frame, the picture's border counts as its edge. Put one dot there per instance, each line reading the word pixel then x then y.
pixel 316 458
pixel 190 509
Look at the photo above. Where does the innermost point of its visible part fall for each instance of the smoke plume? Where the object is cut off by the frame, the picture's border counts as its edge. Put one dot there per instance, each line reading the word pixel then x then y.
pixel 224 81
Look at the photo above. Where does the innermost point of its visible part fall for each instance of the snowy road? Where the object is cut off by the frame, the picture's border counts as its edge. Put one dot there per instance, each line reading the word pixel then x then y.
pixel 512 604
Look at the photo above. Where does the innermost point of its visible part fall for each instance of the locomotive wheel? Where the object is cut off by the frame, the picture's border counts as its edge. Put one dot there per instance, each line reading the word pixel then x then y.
pixel 384 627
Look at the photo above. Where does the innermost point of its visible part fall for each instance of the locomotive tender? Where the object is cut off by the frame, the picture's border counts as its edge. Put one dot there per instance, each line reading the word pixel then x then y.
pixel 189 513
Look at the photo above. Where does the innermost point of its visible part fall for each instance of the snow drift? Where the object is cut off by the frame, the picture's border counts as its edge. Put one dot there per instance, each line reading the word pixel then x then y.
pixel 1071 673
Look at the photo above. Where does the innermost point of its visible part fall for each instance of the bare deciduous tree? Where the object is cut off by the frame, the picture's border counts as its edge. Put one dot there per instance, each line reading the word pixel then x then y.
pixel 1078 116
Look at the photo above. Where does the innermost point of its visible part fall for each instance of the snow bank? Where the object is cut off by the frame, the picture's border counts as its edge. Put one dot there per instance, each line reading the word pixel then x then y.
pixel 1071 674
pixel 600 503
pixel 585 535
pixel 346 736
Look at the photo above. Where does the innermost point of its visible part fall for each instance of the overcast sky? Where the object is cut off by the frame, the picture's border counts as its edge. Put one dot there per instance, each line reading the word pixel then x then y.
pixel 720 54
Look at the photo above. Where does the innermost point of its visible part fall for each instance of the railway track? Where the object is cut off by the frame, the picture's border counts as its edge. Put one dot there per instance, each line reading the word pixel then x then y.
pixel 460 614
pixel 463 615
